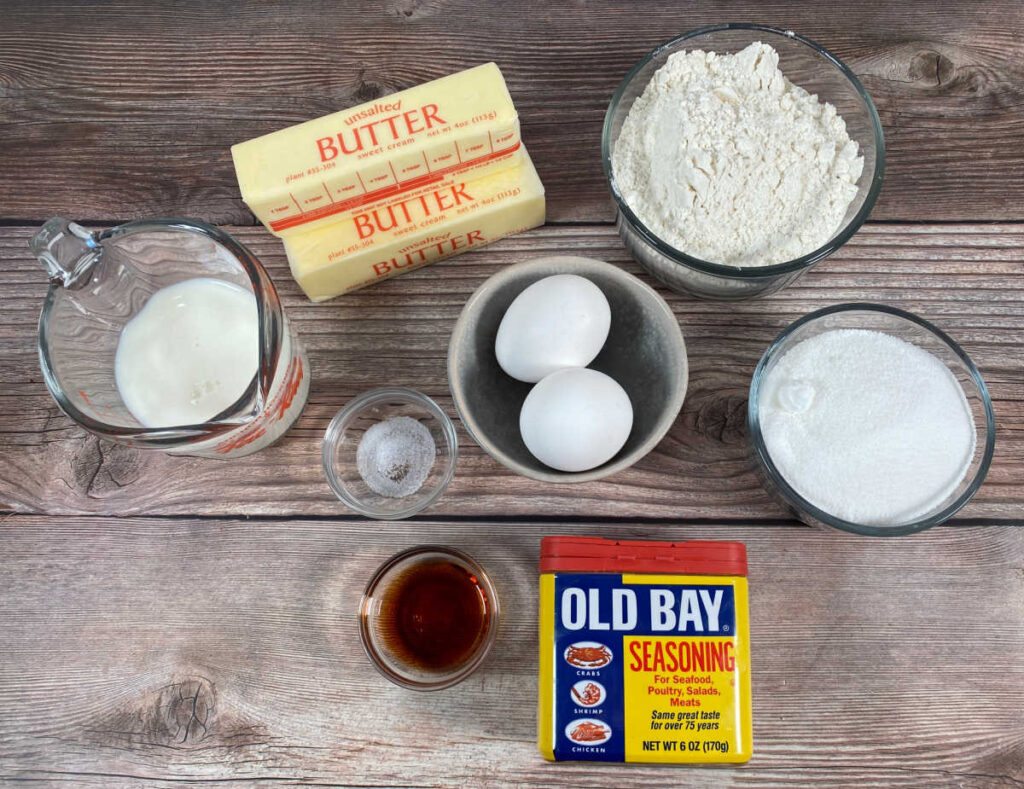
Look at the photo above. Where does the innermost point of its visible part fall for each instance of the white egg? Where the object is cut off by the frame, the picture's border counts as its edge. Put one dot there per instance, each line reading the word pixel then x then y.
pixel 576 419
pixel 557 322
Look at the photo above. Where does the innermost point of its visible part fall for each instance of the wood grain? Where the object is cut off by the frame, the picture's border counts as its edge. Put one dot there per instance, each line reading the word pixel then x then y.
pixel 128 109
pixel 213 641
pixel 178 651
pixel 967 279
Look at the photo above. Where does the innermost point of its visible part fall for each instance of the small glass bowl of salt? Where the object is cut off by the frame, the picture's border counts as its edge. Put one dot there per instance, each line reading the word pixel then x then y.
pixel 390 453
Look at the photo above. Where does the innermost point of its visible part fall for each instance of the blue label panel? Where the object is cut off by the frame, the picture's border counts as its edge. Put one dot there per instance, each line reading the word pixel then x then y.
pixel 592 614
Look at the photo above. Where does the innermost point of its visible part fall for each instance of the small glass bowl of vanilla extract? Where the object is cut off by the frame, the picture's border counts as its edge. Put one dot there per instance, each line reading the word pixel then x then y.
pixel 428 617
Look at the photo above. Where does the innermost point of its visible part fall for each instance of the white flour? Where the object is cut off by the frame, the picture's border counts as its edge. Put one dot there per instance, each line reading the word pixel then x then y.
pixel 725 159
pixel 866 426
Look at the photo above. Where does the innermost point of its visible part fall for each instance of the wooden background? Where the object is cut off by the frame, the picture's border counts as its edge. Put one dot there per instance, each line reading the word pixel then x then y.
pixel 174 621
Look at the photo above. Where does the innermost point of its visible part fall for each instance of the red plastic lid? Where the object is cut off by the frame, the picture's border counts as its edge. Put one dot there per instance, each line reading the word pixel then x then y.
pixel 598 555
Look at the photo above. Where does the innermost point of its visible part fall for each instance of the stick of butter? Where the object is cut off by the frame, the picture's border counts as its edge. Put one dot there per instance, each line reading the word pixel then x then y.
pixel 448 219
pixel 312 174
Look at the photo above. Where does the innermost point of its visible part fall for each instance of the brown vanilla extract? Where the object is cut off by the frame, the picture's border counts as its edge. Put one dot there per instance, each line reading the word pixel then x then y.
pixel 438 614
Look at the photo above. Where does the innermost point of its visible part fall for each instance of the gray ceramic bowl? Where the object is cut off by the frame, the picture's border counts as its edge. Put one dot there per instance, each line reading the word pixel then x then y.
pixel 645 353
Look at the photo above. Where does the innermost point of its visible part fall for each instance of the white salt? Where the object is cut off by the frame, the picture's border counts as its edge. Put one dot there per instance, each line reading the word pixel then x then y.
pixel 867 427
pixel 395 456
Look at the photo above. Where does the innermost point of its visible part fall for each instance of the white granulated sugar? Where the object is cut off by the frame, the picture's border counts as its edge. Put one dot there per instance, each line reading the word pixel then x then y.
pixel 866 426
pixel 725 159
pixel 395 456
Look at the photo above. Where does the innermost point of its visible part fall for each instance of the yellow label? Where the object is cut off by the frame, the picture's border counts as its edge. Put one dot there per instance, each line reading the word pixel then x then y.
pixel 688 697
pixel 644 668
pixel 393 238
pixel 461 126
pixel 545 707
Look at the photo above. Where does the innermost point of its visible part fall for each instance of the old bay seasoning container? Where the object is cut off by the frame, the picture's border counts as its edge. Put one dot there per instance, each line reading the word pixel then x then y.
pixel 644 651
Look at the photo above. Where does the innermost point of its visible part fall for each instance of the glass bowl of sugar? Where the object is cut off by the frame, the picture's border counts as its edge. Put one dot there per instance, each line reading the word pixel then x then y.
pixel 869 419
pixel 390 453
pixel 738 156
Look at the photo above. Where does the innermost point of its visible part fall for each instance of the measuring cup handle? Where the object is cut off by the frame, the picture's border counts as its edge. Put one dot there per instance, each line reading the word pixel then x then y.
pixel 67 250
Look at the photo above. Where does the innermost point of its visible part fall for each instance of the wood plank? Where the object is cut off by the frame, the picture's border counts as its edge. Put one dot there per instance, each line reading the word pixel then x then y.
pixel 965 278
pixel 128 109
pixel 876 663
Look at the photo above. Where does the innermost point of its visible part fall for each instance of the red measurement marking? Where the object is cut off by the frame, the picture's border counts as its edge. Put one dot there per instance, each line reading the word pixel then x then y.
pixel 247 436
pixel 390 190
pixel 275 410
pixel 291 387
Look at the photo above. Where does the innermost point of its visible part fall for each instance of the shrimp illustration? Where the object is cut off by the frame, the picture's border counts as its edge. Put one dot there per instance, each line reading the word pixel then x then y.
pixel 590 696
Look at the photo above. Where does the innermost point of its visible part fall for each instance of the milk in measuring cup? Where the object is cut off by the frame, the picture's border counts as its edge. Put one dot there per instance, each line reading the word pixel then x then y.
pixel 167 334
pixel 189 354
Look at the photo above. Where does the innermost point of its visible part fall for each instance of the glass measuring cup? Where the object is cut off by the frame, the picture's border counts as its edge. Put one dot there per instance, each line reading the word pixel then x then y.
pixel 100 280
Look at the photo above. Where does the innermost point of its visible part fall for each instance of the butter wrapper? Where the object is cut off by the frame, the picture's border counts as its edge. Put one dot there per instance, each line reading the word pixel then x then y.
pixel 310 175
pixel 432 224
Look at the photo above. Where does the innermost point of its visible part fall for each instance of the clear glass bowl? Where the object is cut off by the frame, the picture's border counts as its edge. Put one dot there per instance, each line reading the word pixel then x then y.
pixel 907 327
pixel 806 64
pixel 341 442
pixel 100 280
pixel 374 620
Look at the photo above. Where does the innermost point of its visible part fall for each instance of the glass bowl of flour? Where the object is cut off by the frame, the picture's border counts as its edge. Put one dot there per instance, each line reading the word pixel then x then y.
pixel 871 420
pixel 739 156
